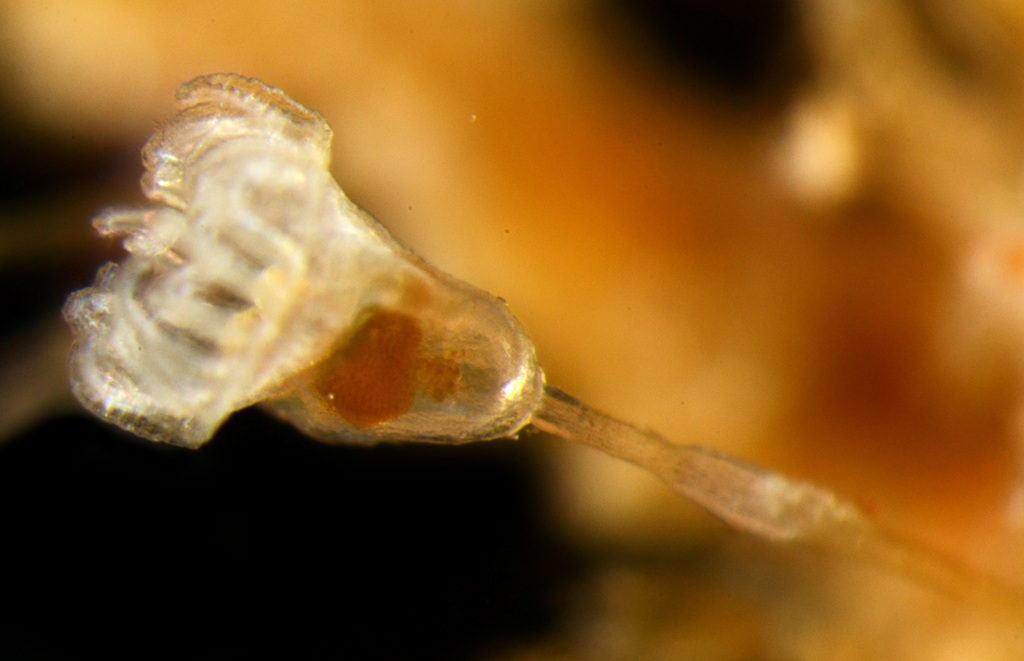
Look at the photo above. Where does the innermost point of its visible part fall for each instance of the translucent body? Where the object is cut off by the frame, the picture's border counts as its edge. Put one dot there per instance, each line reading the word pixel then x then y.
pixel 257 280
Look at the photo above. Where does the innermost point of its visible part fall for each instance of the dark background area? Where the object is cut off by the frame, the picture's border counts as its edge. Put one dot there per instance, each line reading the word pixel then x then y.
pixel 264 541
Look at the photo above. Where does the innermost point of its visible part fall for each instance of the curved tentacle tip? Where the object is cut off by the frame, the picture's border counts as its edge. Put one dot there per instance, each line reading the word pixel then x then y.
pixel 254 279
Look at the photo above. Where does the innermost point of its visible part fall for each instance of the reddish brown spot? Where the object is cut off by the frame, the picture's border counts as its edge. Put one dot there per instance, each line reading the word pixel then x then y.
pixel 374 378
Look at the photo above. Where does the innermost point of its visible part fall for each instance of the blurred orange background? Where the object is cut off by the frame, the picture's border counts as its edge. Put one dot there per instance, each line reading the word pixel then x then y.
pixel 787 231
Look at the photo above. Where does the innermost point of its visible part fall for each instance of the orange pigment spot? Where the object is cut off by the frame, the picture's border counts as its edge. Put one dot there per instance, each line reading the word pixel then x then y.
pixel 374 378
pixel 439 377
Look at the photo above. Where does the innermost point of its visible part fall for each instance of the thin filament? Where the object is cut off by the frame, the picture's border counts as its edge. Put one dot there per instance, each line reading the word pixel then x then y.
pixel 767 504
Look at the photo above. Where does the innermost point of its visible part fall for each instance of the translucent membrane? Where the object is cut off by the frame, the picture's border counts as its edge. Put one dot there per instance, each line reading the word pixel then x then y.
pixel 253 279
pixel 257 280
